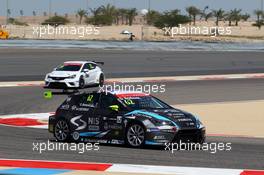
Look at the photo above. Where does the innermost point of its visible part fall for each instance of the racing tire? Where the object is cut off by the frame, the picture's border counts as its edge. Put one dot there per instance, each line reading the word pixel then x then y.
pixel 101 80
pixel 81 83
pixel 62 131
pixel 135 135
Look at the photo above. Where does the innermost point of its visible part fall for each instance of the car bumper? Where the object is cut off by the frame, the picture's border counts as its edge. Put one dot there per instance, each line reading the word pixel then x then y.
pixel 52 121
pixel 51 84
pixel 183 135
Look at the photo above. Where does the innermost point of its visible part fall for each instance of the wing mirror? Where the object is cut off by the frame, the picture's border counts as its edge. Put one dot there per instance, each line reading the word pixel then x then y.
pixel 114 108
pixel 85 70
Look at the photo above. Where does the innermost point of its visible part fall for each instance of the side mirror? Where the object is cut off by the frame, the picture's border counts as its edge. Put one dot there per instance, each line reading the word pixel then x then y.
pixel 85 70
pixel 114 108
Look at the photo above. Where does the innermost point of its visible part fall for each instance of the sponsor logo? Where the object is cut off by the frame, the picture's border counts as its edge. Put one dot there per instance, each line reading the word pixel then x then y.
pixel 93 128
pixel 93 121
pixel 87 105
pixel 65 107
pixel 159 137
pixel 113 127
pixel 75 108
pixel 75 135
pixel 185 120
pixel 79 127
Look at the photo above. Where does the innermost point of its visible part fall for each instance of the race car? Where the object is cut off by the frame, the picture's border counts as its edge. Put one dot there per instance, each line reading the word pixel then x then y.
pixel 131 118
pixel 75 75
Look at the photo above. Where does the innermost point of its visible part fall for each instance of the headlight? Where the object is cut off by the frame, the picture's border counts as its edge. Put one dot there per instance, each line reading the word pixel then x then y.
pixel 160 122
pixel 199 124
pixel 48 76
pixel 72 76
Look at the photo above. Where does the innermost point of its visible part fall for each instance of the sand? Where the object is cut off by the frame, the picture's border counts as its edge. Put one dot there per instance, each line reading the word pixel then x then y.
pixel 244 32
pixel 244 118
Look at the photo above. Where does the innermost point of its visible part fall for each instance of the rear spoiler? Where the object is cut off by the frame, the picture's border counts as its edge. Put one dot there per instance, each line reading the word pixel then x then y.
pixel 98 62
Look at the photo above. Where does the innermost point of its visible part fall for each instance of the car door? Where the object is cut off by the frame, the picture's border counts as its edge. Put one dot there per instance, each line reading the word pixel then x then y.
pixel 112 121
pixel 83 112
pixel 93 72
pixel 87 74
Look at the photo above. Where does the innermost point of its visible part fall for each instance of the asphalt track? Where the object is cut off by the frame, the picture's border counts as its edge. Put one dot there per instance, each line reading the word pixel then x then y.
pixel 23 64
pixel 245 153
pixel 18 64
pixel 19 100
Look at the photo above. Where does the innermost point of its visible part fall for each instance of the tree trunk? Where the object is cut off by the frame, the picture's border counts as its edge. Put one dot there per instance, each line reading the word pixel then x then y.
pixel 217 20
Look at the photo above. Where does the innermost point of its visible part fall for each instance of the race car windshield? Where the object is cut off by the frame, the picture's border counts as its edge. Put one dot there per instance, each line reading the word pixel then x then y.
pixel 69 67
pixel 144 102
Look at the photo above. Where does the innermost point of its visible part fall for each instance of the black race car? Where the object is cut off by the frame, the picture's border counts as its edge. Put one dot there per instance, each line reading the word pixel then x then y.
pixel 123 117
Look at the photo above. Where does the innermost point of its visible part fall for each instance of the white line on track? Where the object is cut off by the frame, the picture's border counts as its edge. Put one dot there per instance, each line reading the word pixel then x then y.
pixel 151 79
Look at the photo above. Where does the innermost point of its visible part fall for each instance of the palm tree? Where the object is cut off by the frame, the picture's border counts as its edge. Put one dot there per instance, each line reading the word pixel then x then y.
pixel 123 14
pixel 203 13
pixel 259 13
pixel 193 12
pixel 229 18
pixel 81 13
pixel 152 16
pixel 245 17
pixel 117 16
pixel 96 11
pixel 9 12
pixel 236 15
pixel 219 14
pixel 259 22
pixel 131 13
pixel 21 13
pixel 110 11
pixel 34 16
pixel 208 15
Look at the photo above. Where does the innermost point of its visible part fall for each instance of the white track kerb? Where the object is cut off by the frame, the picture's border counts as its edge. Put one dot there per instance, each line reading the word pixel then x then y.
pixel 172 170
pixel 112 169
pixel 151 79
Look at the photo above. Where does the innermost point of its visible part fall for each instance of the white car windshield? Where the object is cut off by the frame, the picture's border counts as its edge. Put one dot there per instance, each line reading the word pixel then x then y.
pixel 69 67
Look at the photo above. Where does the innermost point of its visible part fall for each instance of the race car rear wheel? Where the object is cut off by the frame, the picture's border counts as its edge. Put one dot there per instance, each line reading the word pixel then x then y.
pixel 81 83
pixel 135 135
pixel 62 131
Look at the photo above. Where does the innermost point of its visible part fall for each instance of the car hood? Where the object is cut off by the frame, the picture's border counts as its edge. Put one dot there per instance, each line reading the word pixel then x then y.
pixel 180 118
pixel 62 73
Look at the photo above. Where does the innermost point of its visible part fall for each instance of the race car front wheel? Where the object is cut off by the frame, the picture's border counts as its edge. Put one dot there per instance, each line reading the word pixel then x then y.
pixel 81 83
pixel 135 135
pixel 62 131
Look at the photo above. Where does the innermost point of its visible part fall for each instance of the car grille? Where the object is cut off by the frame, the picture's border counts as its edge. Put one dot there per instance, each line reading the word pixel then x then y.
pixel 57 85
pixel 189 135
pixel 58 78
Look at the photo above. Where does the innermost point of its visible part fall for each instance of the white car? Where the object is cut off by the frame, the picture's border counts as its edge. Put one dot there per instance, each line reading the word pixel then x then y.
pixel 75 75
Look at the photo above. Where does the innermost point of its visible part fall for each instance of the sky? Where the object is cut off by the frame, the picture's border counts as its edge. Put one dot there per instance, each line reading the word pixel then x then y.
pixel 71 6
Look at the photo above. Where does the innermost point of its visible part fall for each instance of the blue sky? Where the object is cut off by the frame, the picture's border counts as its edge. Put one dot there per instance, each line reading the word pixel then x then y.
pixel 71 6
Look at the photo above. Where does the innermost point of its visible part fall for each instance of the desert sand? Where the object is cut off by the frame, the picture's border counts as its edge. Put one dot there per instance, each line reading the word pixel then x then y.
pixel 244 32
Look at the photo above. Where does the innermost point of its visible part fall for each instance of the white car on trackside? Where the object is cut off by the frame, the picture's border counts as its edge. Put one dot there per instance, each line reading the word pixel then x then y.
pixel 75 75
